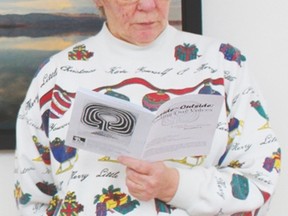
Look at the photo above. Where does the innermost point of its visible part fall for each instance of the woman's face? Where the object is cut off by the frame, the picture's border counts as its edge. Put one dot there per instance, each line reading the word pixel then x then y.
pixel 136 21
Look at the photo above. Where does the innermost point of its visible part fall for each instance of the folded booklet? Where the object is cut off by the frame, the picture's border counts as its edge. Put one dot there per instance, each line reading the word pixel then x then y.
pixel 183 126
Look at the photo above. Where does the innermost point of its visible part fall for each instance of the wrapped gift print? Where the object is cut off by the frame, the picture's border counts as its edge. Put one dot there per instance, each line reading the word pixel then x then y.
pixel 186 52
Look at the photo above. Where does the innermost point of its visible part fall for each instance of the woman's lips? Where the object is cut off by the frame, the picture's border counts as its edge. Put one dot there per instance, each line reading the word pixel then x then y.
pixel 145 24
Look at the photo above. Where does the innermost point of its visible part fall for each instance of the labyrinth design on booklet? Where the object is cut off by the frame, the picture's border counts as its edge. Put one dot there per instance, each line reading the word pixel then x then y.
pixel 108 119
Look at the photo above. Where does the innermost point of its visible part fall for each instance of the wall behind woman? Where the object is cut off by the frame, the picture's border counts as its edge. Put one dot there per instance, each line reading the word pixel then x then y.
pixel 259 29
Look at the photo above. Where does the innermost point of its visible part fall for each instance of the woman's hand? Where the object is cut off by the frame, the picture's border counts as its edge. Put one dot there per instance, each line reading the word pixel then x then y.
pixel 149 180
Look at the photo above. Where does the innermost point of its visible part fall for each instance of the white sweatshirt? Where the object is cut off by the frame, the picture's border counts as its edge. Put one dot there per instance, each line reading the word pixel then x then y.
pixel 237 177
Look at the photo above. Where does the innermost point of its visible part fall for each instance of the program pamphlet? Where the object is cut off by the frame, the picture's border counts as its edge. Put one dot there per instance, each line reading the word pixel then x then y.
pixel 183 126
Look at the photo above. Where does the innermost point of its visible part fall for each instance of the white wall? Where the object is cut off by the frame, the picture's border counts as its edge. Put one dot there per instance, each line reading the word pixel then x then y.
pixel 7 201
pixel 259 29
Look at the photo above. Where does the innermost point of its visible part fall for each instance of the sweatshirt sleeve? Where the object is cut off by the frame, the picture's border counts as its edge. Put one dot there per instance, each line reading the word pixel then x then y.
pixel 34 186
pixel 246 175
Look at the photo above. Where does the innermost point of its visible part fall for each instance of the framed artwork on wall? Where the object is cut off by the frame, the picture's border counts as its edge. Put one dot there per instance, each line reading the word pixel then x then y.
pixel 32 32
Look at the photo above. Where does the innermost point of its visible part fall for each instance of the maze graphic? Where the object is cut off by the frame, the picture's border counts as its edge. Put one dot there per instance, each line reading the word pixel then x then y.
pixel 109 119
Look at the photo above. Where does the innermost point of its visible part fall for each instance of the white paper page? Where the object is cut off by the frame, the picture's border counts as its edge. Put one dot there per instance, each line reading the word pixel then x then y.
pixel 107 125
pixel 184 128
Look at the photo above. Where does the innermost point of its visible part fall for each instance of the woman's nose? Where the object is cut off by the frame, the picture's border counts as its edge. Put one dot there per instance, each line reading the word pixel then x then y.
pixel 146 5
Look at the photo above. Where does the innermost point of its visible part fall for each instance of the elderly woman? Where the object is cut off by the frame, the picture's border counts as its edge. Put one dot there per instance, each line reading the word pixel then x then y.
pixel 138 56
